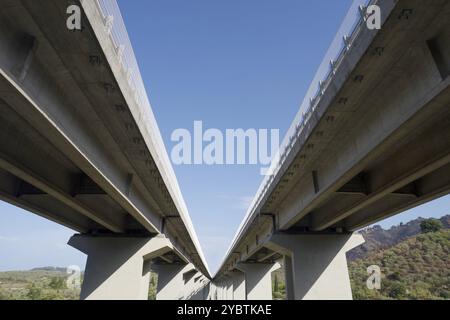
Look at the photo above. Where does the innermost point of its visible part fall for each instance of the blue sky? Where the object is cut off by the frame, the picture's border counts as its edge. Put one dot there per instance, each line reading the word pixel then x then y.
pixel 231 64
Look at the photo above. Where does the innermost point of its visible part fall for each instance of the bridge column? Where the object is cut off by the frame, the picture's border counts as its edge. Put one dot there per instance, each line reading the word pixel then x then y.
pixel 117 267
pixel 205 289
pixel 316 265
pixel 171 280
pixel 216 291
pixel 258 279
pixel 197 288
pixel 212 291
pixel 238 279
pixel 214 294
pixel 229 288
pixel 220 295
pixel 224 289
pixel 189 282
pixel 222 292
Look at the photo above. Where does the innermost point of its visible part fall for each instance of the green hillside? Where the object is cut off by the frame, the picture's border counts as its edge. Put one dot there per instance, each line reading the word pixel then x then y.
pixel 36 284
pixel 416 268
pixel 414 259
pixel 378 238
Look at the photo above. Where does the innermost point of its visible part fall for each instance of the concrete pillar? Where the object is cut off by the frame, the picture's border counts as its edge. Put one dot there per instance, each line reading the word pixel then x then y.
pixel 258 279
pixel 197 288
pixel 190 285
pixel 316 267
pixel 238 279
pixel 222 292
pixel 229 288
pixel 212 291
pixel 203 294
pixel 221 295
pixel 289 278
pixel 218 291
pixel 171 280
pixel 115 266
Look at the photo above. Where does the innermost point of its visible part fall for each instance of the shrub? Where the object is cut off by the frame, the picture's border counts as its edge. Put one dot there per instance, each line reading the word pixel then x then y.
pixel 397 290
pixel 430 225
pixel 34 292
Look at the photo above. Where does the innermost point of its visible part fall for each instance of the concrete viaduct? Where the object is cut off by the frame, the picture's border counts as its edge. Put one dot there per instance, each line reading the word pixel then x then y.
pixel 373 142
pixel 79 145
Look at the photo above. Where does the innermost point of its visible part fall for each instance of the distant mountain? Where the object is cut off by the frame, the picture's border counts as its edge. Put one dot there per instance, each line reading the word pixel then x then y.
pixel 378 238
pixel 55 269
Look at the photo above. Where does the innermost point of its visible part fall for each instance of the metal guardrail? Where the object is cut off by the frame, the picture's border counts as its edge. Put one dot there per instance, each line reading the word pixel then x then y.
pixel 347 33
pixel 115 27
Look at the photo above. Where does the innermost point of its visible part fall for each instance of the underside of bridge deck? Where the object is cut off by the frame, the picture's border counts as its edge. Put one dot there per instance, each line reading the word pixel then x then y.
pixel 376 143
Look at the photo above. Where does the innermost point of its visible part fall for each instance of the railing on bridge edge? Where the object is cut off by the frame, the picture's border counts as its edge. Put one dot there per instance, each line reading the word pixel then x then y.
pixel 342 42
pixel 115 27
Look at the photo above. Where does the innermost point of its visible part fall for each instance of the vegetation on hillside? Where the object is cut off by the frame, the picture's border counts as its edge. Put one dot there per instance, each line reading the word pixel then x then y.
pixel 430 225
pixel 414 259
pixel 278 286
pixel 153 286
pixel 378 238
pixel 38 284
pixel 417 268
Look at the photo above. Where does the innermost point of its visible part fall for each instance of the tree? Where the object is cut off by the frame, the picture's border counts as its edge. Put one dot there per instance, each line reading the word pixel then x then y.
pixel 395 276
pixel 34 292
pixel 430 225
pixel 275 284
pixel 3 295
pixel 397 290
pixel 57 283
pixel 153 286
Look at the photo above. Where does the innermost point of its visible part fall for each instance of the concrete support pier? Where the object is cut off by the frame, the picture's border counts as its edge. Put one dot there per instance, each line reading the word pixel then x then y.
pixel 316 265
pixel 172 280
pixel 117 267
pixel 229 289
pixel 238 279
pixel 200 289
pixel 219 291
pixel 258 280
